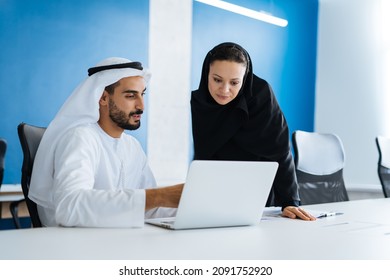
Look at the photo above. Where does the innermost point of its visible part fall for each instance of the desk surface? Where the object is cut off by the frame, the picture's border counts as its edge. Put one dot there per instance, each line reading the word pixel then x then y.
pixel 10 192
pixel 362 232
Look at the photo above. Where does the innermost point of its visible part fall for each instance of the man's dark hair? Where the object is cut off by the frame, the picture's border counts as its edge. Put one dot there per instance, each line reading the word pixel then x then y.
pixel 110 88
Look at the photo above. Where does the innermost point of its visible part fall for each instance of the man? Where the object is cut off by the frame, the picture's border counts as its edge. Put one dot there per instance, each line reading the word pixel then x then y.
pixel 87 171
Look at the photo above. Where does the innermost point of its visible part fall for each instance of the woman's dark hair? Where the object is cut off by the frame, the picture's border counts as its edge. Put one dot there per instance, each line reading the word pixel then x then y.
pixel 229 53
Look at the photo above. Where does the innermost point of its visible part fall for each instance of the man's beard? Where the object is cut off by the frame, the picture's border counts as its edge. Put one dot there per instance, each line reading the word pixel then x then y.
pixel 121 118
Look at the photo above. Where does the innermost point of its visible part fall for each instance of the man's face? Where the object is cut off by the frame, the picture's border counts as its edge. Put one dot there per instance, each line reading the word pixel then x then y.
pixel 126 104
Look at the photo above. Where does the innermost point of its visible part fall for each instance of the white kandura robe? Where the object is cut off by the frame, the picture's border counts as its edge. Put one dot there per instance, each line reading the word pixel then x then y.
pixel 98 180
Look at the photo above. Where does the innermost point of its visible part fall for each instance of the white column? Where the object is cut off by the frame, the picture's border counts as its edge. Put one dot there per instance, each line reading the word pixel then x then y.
pixel 168 142
pixel 352 87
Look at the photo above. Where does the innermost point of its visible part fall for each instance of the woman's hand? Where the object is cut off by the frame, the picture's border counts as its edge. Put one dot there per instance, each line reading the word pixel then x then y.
pixel 294 212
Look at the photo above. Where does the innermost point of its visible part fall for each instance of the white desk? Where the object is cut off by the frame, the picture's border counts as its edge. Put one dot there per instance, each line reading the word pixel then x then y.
pixel 10 192
pixel 329 238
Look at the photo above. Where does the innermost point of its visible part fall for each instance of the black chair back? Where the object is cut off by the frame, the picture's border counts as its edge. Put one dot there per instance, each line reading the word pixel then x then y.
pixel 319 161
pixel 3 149
pixel 383 145
pixel 30 136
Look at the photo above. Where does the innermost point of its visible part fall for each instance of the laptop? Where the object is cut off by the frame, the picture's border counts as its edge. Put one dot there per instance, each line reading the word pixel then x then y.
pixel 222 194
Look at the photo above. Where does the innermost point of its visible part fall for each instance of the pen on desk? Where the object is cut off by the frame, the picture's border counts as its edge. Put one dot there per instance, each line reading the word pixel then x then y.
pixel 329 214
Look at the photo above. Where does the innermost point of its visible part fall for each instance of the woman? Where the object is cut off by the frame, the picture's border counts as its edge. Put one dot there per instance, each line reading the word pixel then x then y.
pixel 235 116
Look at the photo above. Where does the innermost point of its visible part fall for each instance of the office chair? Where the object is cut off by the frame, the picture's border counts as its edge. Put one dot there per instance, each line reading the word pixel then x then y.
pixel 3 149
pixel 319 161
pixel 30 136
pixel 13 207
pixel 383 145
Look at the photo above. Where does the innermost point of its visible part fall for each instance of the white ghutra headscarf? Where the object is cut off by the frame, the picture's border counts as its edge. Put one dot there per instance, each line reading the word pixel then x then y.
pixel 82 107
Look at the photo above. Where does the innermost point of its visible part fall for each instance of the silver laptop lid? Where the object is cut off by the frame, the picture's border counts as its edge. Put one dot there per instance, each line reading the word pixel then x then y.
pixel 225 193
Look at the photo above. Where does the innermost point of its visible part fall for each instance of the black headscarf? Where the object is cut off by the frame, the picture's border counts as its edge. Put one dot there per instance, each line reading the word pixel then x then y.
pixel 251 127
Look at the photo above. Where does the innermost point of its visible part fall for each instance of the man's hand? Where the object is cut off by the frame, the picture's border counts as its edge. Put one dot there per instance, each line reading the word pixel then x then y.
pixel 163 197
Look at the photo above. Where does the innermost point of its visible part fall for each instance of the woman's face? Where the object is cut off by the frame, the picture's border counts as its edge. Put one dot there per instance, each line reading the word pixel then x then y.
pixel 225 80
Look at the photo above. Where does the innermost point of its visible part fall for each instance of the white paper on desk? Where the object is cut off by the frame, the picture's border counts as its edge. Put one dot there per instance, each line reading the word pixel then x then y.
pixel 350 226
pixel 271 213
pixel 372 230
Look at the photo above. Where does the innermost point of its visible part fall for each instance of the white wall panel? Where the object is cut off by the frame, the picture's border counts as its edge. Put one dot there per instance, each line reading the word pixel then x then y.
pixel 169 90
pixel 352 93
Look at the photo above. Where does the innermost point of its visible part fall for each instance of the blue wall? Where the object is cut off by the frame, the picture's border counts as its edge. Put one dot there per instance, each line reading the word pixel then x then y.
pixel 47 47
pixel 285 57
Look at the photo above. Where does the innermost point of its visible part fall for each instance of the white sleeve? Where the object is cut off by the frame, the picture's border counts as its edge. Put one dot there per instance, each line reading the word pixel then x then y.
pixel 77 202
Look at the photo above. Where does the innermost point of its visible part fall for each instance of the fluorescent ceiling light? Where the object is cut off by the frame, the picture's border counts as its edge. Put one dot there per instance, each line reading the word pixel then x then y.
pixel 246 12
